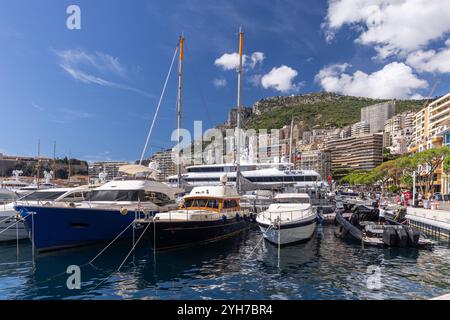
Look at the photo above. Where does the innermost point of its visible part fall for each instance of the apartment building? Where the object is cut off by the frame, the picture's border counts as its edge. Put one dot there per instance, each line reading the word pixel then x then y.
pixel 165 163
pixel 377 114
pixel 363 152
pixel 360 128
pixel 398 132
pixel 110 167
pixel 431 130
pixel 317 160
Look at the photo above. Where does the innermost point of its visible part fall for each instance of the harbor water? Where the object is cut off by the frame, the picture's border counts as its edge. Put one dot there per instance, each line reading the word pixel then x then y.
pixel 244 267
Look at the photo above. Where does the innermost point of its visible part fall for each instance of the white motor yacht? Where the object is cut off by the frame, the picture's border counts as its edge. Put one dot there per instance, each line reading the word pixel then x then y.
pixel 8 214
pixel 289 219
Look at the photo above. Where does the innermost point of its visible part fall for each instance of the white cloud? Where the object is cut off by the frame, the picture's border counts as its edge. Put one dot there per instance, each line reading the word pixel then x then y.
pixel 230 61
pixel 254 79
pixel 37 107
pixel 100 61
pixel 392 26
pixel 280 79
pixel 431 60
pixel 395 80
pixel 75 63
pixel 255 58
pixel 219 83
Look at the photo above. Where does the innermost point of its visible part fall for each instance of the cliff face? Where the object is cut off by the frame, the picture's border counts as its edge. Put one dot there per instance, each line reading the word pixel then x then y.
pixel 316 110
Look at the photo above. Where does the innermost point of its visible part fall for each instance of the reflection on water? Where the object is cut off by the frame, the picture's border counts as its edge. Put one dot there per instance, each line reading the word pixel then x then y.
pixel 239 268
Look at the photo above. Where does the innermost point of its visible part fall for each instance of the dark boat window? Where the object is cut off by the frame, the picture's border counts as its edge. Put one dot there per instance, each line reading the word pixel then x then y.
pixel 116 195
pixel 75 197
pixel 40 195
pixel 227 204
pixel 213 203
pixel 292 200
pixel 157 198
pixel 195 203
pixel 206 169
pixel 201 203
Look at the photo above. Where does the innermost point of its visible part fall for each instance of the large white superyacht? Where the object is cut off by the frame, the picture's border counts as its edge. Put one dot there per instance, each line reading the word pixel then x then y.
pixel 262 174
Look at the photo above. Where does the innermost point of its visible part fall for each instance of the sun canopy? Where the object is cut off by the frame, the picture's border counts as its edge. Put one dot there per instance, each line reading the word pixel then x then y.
pixel 134 169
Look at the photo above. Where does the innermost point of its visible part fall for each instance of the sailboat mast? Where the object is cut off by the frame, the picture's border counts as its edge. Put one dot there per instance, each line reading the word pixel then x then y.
pixel 54 160
pixel 38 169
pixel 239 104
pixel 290 141
pixel 180 87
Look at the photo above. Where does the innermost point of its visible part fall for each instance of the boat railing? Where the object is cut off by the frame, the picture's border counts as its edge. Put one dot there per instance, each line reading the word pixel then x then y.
pixel 283 216
pixel 188 217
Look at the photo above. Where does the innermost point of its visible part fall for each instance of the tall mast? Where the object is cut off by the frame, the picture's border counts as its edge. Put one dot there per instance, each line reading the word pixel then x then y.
pixel 38 163
pixel 180 87
pixel 70 167
pixel 239 104
pixel 54 160
pixel 290 141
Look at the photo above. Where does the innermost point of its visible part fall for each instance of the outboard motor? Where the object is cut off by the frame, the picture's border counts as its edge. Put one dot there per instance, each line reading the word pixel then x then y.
pixel 413 236
pixel 389 237
pixel 402 236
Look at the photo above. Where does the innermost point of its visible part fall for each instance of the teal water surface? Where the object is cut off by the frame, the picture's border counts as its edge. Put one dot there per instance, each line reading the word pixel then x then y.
pixel 240 268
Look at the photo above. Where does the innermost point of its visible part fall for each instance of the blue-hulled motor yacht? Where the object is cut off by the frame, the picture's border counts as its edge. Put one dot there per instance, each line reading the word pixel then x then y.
pixel 107 212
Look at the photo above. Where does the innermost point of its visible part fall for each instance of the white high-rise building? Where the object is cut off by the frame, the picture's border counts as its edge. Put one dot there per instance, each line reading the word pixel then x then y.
pixel 376 115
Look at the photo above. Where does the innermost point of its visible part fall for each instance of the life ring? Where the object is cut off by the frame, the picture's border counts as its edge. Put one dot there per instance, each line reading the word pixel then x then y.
pixel 123 211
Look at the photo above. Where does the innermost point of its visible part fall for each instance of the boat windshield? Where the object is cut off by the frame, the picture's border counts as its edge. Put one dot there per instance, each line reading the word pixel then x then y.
pixel 115 195
pixel 41 195
pixel 201 203
pixel 292 200
pixel 157 198
pixel 7 196
pixel 348 194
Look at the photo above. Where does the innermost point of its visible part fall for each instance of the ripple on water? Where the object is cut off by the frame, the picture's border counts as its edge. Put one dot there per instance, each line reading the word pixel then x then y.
pixel 241 268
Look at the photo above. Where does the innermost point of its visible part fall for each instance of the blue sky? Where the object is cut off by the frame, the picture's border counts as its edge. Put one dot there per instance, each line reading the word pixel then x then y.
pixel 95 90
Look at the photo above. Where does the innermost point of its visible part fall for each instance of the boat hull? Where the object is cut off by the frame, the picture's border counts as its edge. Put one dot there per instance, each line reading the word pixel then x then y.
pixel 289 233
pixel 17 232
pixel 59 228
pixel 176 234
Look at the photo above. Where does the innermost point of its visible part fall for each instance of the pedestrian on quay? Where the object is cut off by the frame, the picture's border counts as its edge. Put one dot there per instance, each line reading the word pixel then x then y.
pixel 382 216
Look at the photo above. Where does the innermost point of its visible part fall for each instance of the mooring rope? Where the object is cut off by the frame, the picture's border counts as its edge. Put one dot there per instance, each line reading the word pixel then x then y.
pixel 259 242
pixel 123 262
pixel 114 240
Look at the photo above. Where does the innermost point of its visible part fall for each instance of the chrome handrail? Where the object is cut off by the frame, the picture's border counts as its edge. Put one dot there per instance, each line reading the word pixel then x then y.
pixel 279 214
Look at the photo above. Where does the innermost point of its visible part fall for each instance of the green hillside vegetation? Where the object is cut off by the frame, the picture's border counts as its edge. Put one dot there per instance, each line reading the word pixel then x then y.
pixel 320 110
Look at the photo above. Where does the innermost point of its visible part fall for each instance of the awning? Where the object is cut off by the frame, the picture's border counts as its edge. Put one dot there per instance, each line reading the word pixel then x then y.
pixel 134 169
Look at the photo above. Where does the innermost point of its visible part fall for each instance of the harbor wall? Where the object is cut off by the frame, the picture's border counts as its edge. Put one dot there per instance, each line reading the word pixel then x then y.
pixel 435 222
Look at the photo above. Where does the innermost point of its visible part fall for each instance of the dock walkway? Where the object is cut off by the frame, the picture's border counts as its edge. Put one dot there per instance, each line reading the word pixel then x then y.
pixel 436 222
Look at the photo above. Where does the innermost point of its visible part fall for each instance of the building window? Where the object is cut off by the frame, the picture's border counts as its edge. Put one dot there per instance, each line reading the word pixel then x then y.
pixel 447 139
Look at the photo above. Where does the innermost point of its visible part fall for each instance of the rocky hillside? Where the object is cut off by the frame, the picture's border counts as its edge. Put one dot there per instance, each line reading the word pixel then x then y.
pixel 316 110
